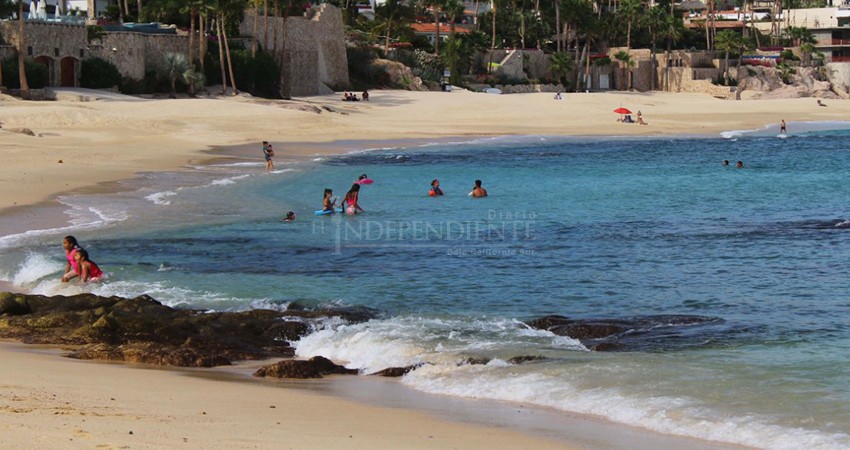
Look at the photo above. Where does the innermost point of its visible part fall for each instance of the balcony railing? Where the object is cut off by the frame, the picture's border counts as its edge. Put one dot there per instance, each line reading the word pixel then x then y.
pixel 841 59
pixel 841 42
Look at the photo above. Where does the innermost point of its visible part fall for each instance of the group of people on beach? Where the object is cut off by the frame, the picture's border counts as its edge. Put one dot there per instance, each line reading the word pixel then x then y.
pixel 352 97
pixel 79 265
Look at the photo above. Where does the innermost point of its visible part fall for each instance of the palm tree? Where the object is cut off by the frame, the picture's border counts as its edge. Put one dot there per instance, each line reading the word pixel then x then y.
pixel 654 21
pixel 626 62
pixel 672 31
pixel 436 7
pixel 174 67
pixel 727 41
pixel 22 73
pixel 388 15
pixel 629 10
pixel 560 64
pixel 453 8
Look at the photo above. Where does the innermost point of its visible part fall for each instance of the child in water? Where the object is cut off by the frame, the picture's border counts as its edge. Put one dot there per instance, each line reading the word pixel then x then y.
pixel 350 200
pixel 328 202
pixel 435 189
pixel 290 216
pixel 71 248
pixel 89 271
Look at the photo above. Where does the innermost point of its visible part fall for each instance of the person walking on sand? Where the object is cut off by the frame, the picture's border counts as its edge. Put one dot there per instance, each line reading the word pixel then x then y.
pixel 268 154
pixel 478 191
pixel 72 267
pixel 782 127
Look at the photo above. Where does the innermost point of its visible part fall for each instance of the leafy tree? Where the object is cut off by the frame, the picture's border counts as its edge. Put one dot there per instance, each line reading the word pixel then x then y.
pixel 391 16
pixel 561 64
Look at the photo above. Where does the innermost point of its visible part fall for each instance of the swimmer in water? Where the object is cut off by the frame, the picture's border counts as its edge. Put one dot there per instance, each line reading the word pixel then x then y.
pixel 435 189
pixel 350 201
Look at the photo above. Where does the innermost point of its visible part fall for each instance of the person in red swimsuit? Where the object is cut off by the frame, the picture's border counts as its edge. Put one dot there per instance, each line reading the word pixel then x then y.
pixel 89 271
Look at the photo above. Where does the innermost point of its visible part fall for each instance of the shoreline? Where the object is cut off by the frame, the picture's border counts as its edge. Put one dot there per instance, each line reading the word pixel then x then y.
pixel 360 408
pixel 50 211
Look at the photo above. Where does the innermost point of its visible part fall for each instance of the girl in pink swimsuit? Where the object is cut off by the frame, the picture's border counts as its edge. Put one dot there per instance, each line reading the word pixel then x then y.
pixel 71 248
pixel 350 200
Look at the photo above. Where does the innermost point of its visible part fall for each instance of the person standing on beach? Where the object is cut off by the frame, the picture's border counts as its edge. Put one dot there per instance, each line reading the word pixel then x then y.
pixel 268 153
pixel 72 267
pixel 478 191
pixel 782 127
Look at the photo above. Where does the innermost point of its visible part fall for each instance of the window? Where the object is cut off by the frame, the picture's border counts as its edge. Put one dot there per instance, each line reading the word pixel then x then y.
pixel 29 51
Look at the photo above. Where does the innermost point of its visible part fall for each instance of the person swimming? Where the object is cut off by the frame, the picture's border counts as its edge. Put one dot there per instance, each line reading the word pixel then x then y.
pixel 89 271
pixel 435 189
pixel 290 216
pixel 350 201
pixel 478 191
pixel 328 203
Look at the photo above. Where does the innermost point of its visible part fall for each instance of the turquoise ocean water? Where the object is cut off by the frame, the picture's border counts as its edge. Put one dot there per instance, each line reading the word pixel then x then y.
pixel 612 228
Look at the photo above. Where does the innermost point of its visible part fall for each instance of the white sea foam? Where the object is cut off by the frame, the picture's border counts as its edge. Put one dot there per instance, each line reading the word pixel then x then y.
pixel 398 342
pixel 439 348
pixel 34 267
pixel 160 198
pixel 229 180
pixel 679 416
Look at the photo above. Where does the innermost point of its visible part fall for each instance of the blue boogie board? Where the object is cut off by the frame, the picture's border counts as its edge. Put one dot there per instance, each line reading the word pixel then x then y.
pixel 322 212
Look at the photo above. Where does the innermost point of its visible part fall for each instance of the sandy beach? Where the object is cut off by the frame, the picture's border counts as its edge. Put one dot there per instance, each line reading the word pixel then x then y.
pixel 85 146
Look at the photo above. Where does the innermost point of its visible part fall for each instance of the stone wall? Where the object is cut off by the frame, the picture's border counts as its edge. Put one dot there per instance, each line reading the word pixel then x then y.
pixel 62 48
pixel 136 53
pixel 314 56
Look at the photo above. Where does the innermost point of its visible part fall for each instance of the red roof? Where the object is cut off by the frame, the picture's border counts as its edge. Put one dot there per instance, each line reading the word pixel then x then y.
pixel 430 28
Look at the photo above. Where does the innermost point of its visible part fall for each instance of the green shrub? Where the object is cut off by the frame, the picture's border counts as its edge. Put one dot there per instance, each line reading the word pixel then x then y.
pixel 97 73
pixel 37 76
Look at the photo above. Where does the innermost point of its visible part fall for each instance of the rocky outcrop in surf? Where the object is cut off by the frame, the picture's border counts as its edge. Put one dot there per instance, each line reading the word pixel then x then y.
pixel 142 330
pixel 645 333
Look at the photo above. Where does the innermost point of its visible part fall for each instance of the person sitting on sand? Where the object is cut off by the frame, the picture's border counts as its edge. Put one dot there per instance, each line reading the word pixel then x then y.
pixel 71 248
pixel 820 103
pixel 290 217
pixel 351 200
pixel 640 120
pixel 435 189
pixel 478 191
pixel 328 203
pixel 89 271
pixel 558 96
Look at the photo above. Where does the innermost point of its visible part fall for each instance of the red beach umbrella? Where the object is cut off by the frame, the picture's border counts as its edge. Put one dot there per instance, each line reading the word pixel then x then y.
pixel 622 111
